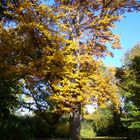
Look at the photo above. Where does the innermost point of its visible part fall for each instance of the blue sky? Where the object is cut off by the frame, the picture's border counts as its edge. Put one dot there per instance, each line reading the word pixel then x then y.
pixel 129 30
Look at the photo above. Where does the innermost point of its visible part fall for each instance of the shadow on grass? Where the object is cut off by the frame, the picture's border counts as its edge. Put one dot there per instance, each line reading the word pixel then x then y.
pixel 95 138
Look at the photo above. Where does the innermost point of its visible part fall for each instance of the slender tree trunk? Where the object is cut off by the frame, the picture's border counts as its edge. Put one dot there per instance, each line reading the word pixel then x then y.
pixel 75 124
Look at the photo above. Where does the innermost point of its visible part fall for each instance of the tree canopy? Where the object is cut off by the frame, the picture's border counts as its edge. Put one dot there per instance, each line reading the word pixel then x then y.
pixel 53 52
pixel 129 76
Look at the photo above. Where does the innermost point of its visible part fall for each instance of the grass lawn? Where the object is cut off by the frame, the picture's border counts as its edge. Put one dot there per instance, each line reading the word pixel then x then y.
pixel 106 138
pixel 95 138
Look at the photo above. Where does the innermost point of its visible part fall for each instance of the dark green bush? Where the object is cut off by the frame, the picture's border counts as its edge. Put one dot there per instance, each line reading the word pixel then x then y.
pixel 62 131
pixel 15 128
pixel 27 127
pixel 40 129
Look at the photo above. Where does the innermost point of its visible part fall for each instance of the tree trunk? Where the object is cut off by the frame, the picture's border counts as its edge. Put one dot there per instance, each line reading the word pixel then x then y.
pixel 75 124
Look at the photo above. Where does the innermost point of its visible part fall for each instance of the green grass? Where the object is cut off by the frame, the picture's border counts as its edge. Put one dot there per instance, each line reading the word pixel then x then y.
pixel 106 138
pixel 95 138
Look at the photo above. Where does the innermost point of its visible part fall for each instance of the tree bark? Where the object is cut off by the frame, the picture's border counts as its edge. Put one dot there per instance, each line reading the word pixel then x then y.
pixel 75 124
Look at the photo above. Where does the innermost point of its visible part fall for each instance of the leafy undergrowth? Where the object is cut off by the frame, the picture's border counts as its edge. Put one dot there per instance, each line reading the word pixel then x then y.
pixel 87 133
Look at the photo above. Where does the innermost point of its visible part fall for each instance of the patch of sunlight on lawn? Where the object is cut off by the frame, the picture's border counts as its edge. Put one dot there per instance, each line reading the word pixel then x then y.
pixel 87 133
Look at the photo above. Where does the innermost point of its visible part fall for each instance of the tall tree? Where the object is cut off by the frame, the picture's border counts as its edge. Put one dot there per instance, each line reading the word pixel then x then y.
pixel 88 24
pixel 28 44
pixel 62 44
pixel 129 83
pixel 8 77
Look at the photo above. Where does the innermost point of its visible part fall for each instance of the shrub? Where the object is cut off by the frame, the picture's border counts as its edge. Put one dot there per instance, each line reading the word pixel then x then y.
pixel 62 131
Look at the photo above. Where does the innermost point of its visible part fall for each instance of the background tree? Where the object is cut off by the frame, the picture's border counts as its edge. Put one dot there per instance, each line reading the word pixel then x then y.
pixel 101 121
pixel 129 83
pixel 27 48
pixel 9 78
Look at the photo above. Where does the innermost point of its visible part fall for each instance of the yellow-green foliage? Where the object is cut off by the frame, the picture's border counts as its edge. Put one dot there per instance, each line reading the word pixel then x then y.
pixel 100 121
pixel 87 133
